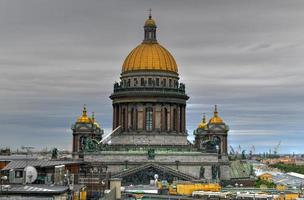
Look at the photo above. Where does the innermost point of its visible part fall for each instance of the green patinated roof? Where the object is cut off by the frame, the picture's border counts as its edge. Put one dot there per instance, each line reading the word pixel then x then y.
pixel 130 152
pixel 239 169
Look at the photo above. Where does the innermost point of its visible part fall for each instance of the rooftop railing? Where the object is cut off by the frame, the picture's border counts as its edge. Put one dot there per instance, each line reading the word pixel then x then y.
pixel 120 88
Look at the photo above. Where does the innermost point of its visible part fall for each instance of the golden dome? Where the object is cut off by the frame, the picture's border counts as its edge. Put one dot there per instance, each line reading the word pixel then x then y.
pixel 94 121
pixel 203 123
pixel 149 56
pixel 150 22
pixel 215 119
pixel 84 118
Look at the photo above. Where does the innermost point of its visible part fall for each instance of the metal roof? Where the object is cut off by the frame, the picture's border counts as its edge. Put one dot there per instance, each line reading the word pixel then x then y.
pixel 21 164
pixel 301 176
pixel 16 157
pixel 239 169
pixel 34 189
pixel 286 179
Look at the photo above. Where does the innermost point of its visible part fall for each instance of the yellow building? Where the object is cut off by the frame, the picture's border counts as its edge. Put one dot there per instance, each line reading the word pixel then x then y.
pixel 266 177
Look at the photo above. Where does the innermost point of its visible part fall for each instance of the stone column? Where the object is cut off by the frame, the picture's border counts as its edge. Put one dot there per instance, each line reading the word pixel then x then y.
pixel 162 123
pixel 140 117
pixel 119 115
pixel 113 120
pixel 178 120
pixel 171 118
pixel 136 118
pixel 154 117
pixel 127 117
pixel 144 117
pixel 184 118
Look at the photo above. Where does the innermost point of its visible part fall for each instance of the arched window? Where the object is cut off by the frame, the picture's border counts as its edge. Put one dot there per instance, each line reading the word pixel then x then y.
pixel 149 118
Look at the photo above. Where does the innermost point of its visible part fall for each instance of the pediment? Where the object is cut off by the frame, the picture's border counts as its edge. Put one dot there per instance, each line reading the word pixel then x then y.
pixel 146 172
pixel 217 128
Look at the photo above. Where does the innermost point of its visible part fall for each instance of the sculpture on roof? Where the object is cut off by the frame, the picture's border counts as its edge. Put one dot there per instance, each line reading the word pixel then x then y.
pixel 55 153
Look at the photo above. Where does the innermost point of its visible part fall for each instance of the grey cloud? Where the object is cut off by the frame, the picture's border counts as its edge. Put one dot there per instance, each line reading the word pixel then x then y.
pixel 246 56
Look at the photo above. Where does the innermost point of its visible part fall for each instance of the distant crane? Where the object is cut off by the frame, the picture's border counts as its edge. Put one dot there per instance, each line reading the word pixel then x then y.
pixel 244 154
pixel 28 149
pixel 251 151
pixel 239 150
pixel 276 148
pixel 232 152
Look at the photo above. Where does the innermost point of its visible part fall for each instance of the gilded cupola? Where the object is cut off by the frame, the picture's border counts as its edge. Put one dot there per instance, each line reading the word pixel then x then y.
pixel 215 119
pixel 84 117
pixel 94 121
pixel 149 55
pixel 203 123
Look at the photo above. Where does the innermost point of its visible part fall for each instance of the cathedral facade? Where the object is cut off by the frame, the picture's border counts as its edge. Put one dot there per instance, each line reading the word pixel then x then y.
pixel 149 124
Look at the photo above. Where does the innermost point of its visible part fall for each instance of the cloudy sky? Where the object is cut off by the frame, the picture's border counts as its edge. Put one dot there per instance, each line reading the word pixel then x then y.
pixel 246 56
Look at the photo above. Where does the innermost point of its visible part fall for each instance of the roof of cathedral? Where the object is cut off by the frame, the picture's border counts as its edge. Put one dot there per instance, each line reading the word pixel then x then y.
pixel 216 119
pixel 150 55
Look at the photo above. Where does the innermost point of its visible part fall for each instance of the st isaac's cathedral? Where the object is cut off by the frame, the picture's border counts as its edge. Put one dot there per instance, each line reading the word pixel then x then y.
pixel 149 125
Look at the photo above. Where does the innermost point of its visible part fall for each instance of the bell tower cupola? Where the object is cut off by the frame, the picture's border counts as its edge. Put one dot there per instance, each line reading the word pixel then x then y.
pixel 150 29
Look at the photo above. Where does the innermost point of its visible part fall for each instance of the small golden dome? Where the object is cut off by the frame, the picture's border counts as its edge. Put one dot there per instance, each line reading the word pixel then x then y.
pixel 149 56
pixel 94 121
pixel 84 118
pixel 150 22
pixel 215 119
pixel 203 123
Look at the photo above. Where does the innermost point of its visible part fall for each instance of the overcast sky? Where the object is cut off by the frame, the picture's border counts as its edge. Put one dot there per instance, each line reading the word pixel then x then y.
pixel 245 56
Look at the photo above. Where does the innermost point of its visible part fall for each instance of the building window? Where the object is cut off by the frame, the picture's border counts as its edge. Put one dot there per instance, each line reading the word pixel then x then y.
pixel 142 82
pixel 135 82
pixel 149 81
pixel 170 83
pixel 157 81
pixel 129 82
pixel 18 174
pixel 164 82
pixel 149 118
